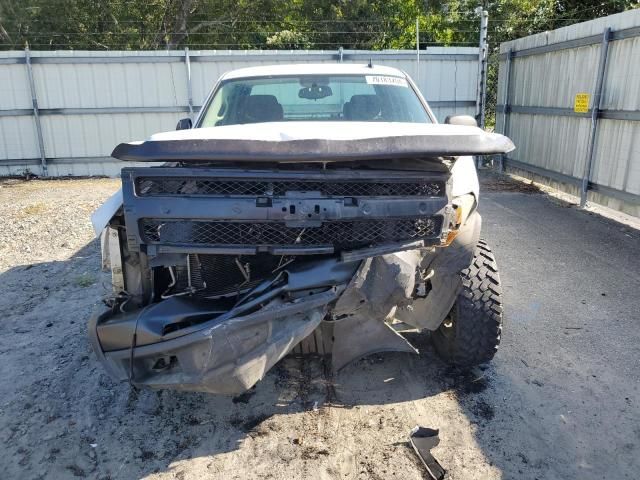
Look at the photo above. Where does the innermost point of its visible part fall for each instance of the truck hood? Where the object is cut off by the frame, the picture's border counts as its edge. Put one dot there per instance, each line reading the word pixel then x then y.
pixel 314 142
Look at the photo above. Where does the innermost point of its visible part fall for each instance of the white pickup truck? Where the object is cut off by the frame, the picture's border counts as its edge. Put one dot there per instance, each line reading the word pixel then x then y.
pixel 309 208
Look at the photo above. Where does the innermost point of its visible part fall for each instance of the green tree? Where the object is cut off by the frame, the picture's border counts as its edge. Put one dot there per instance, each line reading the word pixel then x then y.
pixel 353 24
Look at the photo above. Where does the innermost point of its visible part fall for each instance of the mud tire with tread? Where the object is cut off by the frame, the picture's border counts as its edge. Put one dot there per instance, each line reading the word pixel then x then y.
pixel 470 334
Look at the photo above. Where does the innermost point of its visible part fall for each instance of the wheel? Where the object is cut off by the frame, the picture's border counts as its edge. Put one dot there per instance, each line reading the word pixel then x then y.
pixel 470 334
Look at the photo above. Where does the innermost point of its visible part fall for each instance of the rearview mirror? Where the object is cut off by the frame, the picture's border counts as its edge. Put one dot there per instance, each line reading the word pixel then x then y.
pixel 315 92
pixel 466 120
pixel 184 124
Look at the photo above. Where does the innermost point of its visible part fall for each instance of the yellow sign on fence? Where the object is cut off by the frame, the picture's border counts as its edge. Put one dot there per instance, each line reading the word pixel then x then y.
pixel 581 103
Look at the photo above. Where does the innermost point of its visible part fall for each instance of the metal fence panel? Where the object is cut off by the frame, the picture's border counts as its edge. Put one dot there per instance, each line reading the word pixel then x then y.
pixel 71 136
pixel 88 101
pixel 617 160
pixel 18 136
pixel 622 91
pixel 542 75
pixel 93 85
pixel 14 87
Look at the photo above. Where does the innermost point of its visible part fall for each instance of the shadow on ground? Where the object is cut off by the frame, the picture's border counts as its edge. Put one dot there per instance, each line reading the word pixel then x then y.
pixel 62 416
pixel 537 412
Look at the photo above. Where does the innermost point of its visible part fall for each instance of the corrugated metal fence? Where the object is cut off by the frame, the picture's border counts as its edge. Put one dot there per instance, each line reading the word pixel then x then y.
pixel 593 148
pixel 67 110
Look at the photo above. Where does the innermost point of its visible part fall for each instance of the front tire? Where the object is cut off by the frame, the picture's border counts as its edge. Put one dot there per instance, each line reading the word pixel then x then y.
pixel 470 334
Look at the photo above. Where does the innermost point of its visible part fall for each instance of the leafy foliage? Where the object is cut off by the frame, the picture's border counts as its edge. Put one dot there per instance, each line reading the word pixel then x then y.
pixel 322 24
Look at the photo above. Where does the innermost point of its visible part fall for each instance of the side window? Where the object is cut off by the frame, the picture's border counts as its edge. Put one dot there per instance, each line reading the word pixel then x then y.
pixel 224 107
pixel 216 111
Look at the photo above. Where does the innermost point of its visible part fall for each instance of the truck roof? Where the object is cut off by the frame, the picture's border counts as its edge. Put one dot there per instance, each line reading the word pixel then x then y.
pixel 313 69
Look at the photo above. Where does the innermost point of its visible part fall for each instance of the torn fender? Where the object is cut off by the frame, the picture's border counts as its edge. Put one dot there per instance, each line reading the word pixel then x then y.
pixel 384 288
pixel 380 284
pixel 445 282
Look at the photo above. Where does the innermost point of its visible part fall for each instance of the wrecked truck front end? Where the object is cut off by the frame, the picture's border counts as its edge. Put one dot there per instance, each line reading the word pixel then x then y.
pixel 222 266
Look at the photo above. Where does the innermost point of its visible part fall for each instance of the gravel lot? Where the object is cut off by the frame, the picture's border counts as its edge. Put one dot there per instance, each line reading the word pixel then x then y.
pixel 561 400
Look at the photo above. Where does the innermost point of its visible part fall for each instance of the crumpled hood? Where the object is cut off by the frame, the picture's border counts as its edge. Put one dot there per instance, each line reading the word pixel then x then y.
pixel 287 131
pixel 315 142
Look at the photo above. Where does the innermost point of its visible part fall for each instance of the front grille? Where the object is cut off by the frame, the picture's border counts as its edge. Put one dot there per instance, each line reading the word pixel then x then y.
pixel 339 234
pixel 161 186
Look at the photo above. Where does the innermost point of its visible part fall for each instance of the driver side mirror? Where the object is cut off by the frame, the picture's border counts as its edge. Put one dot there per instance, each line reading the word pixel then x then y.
pixel 466 120
pixel 184 124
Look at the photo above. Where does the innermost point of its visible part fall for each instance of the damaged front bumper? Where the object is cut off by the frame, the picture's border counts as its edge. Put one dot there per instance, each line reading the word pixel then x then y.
pixel 224 356
pixel 182 343
pixel 345 309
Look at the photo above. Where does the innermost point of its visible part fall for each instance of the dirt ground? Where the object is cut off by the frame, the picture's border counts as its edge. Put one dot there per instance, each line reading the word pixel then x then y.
pixel 561 399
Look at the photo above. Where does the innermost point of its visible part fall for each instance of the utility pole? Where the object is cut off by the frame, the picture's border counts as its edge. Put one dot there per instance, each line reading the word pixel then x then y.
pixel 481 96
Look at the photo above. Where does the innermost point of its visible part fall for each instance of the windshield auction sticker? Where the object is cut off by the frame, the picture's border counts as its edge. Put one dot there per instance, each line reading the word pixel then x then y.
pixel 384 80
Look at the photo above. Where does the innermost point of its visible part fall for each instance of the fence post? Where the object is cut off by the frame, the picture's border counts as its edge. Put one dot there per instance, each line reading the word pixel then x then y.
pixel 505 104
pixel 595 113
pixel 481 96
pixel 187 63
pixel 36 113
pixel 418 52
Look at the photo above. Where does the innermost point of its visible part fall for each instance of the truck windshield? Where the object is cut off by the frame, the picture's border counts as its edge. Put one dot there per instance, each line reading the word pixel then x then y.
pixel 363 98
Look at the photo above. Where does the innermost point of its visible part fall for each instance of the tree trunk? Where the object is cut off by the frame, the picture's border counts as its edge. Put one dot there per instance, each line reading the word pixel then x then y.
pixel 180 30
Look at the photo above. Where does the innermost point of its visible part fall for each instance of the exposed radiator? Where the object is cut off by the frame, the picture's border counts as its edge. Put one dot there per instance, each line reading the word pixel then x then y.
pixel 222 275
